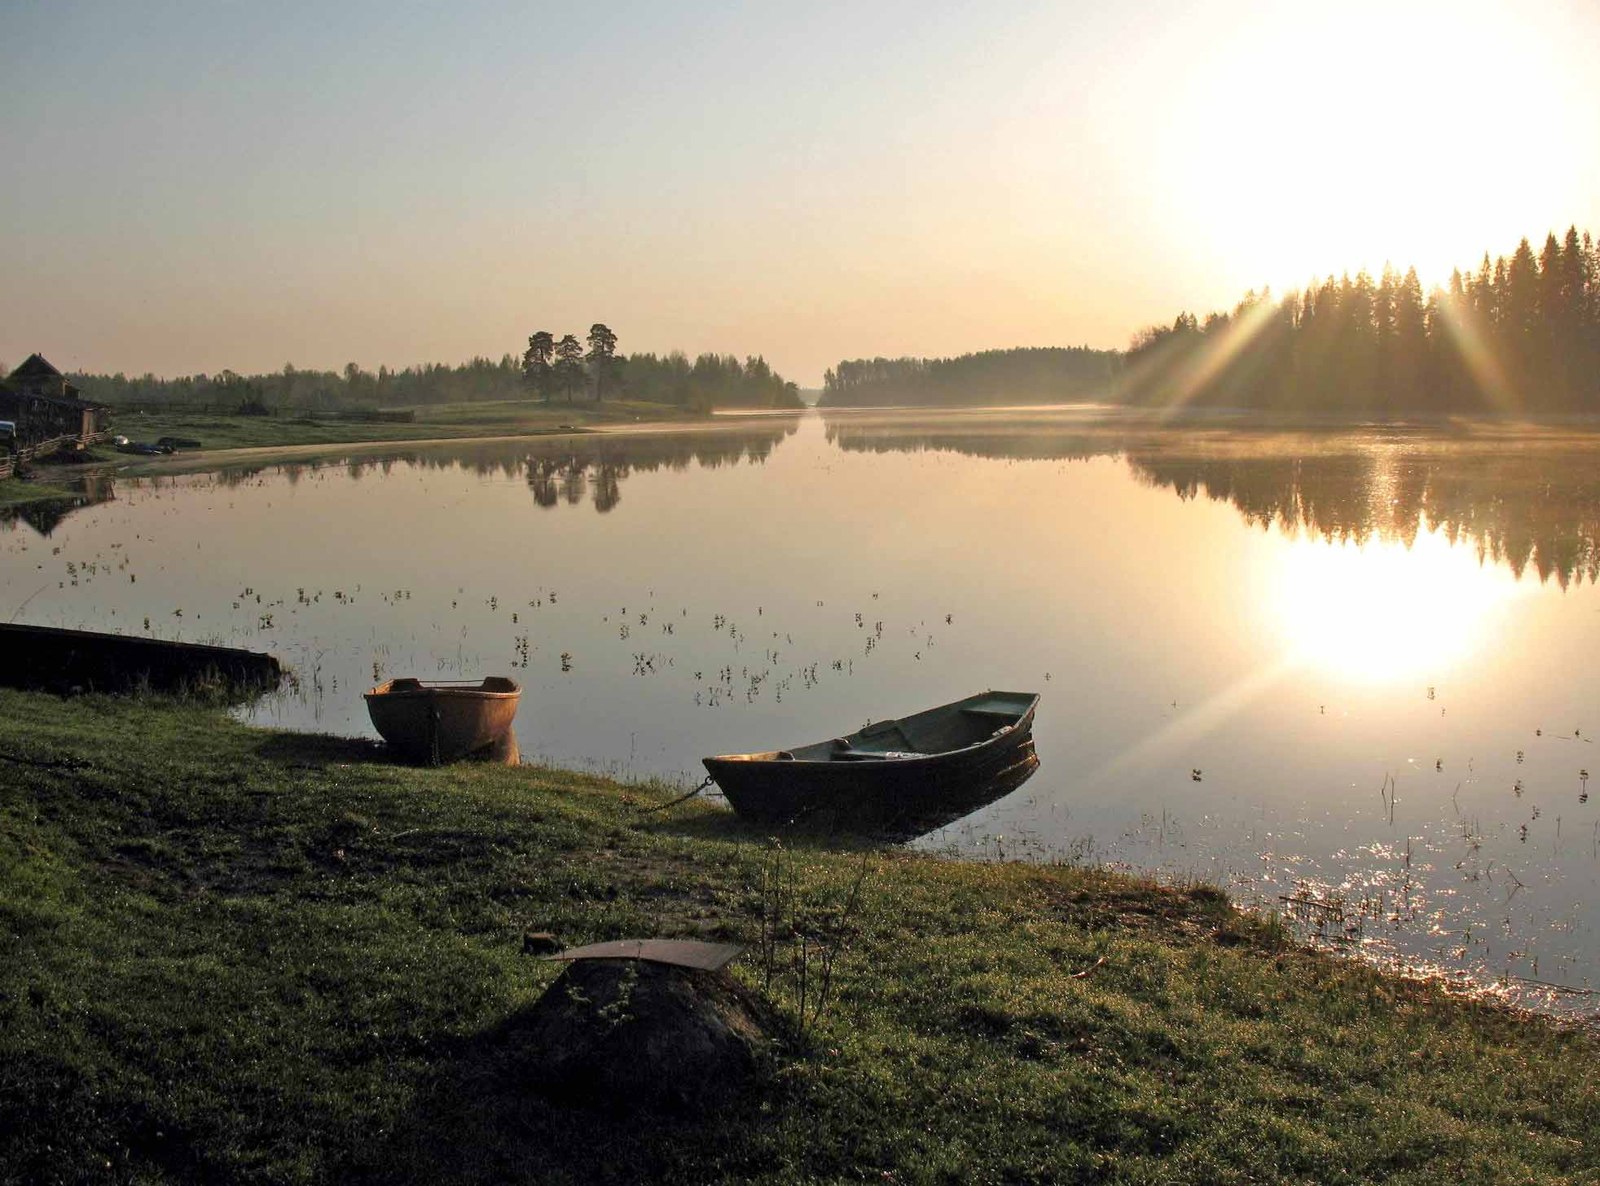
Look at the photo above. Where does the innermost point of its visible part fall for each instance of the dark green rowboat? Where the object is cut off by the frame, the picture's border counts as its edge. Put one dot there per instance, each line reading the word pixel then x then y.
pixel 889 771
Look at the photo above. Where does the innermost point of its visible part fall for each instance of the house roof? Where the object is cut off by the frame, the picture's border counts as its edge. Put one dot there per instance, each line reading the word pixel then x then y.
pixel 35 365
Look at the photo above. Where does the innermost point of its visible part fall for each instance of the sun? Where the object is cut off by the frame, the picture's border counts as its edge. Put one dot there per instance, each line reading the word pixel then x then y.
pixel 1382 612
pixel 1331 137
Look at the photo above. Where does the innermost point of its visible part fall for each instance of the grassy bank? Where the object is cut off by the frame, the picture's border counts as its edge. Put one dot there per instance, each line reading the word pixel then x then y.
pixel 231 440
pixel 231 954
pixel 19 491
pixel 503 418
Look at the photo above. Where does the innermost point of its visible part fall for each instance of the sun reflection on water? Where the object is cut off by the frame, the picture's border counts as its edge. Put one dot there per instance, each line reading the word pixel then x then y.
pixel 1382 611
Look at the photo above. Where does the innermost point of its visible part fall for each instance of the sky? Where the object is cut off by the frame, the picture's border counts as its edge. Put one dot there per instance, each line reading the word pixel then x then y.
pixel 198 186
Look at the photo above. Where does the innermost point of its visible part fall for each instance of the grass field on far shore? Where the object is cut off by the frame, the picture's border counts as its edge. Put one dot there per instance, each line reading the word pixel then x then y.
pixel 496 418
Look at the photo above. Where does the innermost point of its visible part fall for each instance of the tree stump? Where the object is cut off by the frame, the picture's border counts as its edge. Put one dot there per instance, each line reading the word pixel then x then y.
pixel 628 1034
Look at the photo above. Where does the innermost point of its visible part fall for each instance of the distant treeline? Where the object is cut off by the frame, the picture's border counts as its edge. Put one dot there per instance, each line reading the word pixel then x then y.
pixel 1022 375
pixel 433 383
pixel 1520 334
pixel 711 380
pixel 1517 334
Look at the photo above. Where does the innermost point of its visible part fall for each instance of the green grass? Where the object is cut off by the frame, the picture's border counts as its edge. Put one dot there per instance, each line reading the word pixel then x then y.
pixel 505 418
pixel 18 491
pixel 491 413
pixel 235 955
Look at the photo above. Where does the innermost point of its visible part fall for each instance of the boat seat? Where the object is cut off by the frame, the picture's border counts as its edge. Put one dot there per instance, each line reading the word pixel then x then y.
pixel 881 728
pixel 993 711
pixel 883 733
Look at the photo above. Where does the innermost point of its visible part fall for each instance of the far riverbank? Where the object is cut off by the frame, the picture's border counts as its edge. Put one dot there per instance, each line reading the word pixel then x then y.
pixel 228 440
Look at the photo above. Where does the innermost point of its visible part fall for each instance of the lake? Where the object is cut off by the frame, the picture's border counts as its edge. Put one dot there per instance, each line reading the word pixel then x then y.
pixel 1350 676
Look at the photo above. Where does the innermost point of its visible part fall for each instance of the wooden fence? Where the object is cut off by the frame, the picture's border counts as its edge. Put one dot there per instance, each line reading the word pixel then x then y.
pixel 157 407
pixel 9 464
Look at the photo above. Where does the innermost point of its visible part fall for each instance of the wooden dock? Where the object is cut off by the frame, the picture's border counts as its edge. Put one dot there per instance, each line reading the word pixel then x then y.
pixel 44 657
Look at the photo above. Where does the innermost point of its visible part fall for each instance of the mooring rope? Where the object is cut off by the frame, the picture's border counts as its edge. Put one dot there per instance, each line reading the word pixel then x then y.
pixel 681 798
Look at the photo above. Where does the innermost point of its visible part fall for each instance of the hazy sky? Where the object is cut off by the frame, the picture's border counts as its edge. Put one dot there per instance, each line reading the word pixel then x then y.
pixel 192 186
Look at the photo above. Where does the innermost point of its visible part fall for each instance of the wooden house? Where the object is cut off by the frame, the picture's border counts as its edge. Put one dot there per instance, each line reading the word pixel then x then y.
pixel 45 406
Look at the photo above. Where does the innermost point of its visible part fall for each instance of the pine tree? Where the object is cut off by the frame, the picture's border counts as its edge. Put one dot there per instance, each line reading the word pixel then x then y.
pixel 1410 346
pixel 602 356
pixel 569 364
pixel 536 370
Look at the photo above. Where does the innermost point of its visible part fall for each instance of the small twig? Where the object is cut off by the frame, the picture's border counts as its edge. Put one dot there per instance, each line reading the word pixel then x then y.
pixel 831 953
pixel 1563 989
pixel 27 599
pixel 1084 975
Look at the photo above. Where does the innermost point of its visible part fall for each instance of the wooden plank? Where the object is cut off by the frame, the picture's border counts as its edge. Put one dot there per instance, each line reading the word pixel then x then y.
pixel 49 657
pixel 682 953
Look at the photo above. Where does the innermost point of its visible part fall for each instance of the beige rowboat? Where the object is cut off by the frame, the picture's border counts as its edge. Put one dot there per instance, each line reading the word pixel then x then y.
pixel 440 722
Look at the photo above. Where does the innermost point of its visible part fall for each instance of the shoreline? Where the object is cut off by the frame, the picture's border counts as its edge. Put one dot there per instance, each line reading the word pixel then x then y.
pixel 16 492
pixel 218 459
pixel 326 951
pixel 1106 420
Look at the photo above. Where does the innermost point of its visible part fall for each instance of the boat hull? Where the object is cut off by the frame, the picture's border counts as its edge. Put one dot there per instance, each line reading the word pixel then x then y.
pixel 878 791
pixel 439 723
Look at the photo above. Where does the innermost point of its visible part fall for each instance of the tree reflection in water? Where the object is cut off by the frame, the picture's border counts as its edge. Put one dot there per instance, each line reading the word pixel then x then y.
pixel 1528 502
pixel 564 470
pixel 45 515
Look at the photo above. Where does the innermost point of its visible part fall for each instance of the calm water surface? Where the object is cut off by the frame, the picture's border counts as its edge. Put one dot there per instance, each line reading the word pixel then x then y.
pixel 1352 677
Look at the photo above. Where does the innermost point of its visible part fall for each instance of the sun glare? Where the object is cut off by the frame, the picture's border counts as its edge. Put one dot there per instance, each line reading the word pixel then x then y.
pixel 1339 137
pixel 1219 352
pixel 1381 612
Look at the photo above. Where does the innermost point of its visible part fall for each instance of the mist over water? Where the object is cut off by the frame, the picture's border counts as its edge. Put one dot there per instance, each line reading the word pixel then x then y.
pixel 1349 676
